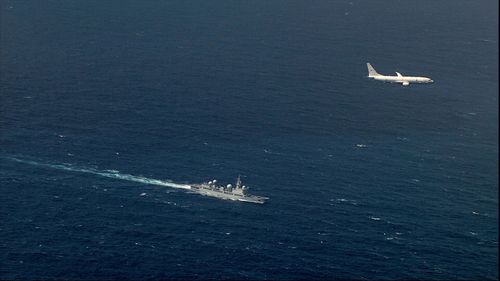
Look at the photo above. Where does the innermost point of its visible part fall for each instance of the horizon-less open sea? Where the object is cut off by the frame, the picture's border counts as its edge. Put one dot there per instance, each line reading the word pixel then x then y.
pixel 366 180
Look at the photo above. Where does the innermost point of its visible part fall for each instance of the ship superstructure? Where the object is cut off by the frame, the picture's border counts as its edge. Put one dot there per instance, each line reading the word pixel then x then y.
pixel 238 192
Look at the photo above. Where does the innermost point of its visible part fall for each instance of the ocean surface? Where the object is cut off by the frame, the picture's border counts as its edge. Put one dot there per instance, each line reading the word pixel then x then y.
pixel 107 106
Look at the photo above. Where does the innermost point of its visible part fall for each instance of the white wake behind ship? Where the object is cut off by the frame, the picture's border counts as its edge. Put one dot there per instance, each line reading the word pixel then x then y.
pixel 238 192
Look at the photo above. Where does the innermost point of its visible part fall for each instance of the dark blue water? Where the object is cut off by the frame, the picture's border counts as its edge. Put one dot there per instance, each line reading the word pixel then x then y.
pixel 365 179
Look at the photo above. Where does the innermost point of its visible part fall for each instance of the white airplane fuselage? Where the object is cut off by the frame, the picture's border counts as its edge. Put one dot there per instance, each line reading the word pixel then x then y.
pixel 398 78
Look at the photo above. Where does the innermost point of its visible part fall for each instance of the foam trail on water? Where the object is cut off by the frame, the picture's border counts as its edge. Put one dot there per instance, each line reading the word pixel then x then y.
pixel 107 174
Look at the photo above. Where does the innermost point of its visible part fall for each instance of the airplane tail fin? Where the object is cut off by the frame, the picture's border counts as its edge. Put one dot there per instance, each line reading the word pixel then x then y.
pixel 371 71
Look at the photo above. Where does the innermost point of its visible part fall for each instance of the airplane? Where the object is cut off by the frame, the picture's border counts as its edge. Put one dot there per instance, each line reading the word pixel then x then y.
pixel 404 80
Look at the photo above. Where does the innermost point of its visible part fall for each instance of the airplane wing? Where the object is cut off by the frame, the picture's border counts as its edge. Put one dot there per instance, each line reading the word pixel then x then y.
pixel 405 83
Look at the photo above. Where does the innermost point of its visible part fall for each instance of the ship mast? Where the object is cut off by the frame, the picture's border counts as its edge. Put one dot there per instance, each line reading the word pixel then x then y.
pixel 238 182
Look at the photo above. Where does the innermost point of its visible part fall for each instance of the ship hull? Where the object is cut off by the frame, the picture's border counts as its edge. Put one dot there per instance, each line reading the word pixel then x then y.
pixel 199 189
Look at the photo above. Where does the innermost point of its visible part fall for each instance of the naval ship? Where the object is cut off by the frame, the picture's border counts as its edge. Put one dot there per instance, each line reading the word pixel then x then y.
pixel 236 193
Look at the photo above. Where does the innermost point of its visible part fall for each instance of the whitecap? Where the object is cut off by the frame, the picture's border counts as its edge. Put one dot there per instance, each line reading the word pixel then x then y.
pixel 343 200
